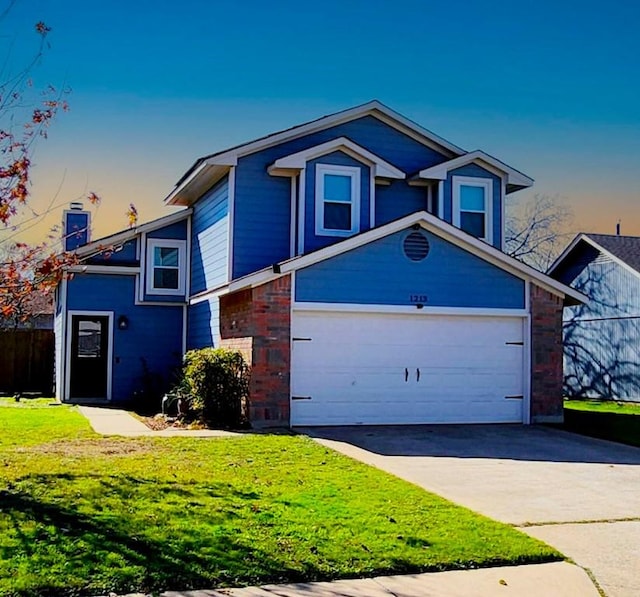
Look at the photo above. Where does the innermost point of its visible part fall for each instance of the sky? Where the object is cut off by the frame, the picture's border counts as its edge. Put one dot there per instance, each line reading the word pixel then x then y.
pixel 550 87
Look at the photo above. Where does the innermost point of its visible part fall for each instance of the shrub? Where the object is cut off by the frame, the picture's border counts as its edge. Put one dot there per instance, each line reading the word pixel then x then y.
pixel 215 385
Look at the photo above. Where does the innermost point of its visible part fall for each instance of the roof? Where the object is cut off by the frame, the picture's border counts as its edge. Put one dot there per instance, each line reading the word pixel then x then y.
pixel 214 166
pixel 515 179
pixel 125 235
pixel 427 221
pixel 623 249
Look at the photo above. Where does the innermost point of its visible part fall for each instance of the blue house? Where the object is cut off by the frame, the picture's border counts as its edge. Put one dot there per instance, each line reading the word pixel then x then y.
pixel 602 337
pixel 356 261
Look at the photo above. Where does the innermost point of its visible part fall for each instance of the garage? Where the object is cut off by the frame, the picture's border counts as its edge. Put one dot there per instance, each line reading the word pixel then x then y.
pixel 409 367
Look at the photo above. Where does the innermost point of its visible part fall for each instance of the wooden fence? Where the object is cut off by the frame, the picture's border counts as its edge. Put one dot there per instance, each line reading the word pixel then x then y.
pixel 27 361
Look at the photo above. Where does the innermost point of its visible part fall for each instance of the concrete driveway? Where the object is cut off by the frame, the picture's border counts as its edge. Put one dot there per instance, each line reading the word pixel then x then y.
pixel 580 495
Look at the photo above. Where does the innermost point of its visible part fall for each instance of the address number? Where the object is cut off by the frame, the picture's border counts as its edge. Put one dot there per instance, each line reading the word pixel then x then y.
pixel 418 298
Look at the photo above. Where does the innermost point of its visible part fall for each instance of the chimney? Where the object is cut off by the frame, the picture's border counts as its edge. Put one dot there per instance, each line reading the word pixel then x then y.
pixel 618 228
pixel 75 226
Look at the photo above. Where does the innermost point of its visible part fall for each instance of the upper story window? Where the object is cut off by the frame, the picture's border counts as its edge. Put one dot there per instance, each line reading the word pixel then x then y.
pixel 472 206
pixel 166 266
pixel 337 200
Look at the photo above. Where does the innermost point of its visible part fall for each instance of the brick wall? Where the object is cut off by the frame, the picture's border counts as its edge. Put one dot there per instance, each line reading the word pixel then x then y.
pixel 258 321
pixel 546 356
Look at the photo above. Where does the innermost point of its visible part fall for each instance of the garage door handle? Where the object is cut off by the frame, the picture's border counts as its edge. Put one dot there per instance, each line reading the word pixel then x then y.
pixel 406 374
pixel 417 374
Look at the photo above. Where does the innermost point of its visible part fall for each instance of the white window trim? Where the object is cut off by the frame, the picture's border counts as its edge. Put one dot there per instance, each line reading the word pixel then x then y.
pixel 181 245
pixel 487 185
pixel 354 173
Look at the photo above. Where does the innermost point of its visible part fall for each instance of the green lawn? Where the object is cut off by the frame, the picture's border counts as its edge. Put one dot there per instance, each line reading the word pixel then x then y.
pixel 604 406
pixel 606 419
pixel 81 514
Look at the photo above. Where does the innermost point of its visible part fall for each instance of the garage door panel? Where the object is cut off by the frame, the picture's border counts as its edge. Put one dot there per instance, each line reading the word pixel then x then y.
pixel 363 368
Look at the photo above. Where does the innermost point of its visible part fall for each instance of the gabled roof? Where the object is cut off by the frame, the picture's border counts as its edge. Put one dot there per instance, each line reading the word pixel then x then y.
pixel 428 222
pixel 206 170
pixel 125 235
pixel 624 250
pixel 514 178
pixel 296 161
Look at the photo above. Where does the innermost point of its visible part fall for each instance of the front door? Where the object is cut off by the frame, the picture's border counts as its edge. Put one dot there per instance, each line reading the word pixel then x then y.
pixel 89 362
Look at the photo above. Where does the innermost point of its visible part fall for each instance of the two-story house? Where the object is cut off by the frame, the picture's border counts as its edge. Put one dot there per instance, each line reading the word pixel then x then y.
pixel 356 260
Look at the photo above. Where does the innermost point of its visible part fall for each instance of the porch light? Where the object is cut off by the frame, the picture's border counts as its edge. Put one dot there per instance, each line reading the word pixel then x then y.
pixel 123 322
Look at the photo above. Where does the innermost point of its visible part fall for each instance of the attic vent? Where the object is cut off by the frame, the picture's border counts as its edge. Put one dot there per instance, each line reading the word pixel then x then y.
pixel 416 246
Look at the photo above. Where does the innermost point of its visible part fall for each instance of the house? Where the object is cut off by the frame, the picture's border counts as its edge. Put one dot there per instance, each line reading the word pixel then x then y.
pixel 601 337
pixel 356 260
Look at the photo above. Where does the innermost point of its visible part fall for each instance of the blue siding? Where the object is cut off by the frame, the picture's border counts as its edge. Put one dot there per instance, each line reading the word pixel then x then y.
pixel 125 255
pixel 154 336
pixel 204 324
pixel 398 200
pixel 209 240
pixel 476 171
pixel 601 339
pixel 175 231
pixel 379 273
pixel 311 241
pixel 262 204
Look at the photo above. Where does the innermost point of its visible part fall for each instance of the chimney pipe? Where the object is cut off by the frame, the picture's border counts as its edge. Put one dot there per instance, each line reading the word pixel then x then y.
pixel 618 228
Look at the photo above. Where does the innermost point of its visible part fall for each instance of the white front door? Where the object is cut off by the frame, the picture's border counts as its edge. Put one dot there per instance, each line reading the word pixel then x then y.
pixel 376 368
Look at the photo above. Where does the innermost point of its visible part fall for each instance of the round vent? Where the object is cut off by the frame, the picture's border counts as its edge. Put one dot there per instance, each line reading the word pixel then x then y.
pixel 416 246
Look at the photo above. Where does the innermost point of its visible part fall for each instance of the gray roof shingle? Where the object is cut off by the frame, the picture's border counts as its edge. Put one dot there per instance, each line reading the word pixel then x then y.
pixel 625 248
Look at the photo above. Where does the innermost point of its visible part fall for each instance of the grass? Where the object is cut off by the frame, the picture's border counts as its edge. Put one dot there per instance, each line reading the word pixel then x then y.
pixel 82 514
pixel 604 406
pixel 605 419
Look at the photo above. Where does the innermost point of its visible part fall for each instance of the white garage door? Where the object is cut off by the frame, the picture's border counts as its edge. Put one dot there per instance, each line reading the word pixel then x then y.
pixel 359 368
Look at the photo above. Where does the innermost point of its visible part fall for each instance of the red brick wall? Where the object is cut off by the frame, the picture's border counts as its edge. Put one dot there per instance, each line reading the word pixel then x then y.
pixel 546 356
pixel 260 318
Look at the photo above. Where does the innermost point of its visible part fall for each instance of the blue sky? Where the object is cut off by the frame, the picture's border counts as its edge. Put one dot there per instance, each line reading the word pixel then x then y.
pixel 552 88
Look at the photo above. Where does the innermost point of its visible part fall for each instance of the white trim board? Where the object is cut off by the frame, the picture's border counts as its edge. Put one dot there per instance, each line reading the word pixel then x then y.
pixel 491 164
pixel 210 168
pixel 288 165
pixel 67 367
pixel 123 236
pixel 169 243
pixel 406 309
pixel 430 223
pixel 585 237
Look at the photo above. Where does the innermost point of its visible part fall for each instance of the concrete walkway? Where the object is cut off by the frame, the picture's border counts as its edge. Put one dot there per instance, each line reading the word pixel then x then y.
pixel 575 493
pixel 112 421
pixel 558 579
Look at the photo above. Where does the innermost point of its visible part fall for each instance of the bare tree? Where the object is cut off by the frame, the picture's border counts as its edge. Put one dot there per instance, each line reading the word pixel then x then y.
pixel 537 229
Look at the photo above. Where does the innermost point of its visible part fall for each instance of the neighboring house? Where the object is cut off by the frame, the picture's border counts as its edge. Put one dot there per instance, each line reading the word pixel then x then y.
pixel 357 262
pixel 602 337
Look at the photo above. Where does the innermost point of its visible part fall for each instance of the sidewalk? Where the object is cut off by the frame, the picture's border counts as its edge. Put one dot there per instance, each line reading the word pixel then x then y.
pixel 112 421
pixel 558 579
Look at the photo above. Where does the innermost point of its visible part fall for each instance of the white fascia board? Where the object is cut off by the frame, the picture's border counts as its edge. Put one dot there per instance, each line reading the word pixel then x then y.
pixel 374 107
pixel 296 161
pixel 560 258
pixel 439 172
pixel 200 181
pixel 428 222
pixel 104 269
pixel 130 233
pixel 182 194
pixel 598 247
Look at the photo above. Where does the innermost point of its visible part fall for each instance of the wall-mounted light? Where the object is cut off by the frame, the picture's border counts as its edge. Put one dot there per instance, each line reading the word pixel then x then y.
pixel 123 322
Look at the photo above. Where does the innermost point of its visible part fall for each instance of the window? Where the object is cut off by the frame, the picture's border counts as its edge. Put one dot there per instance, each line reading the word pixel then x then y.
pixel 472 205
pixel 337 200
pixel 165 266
